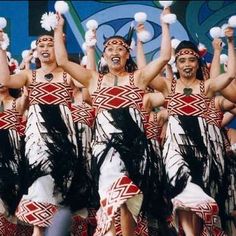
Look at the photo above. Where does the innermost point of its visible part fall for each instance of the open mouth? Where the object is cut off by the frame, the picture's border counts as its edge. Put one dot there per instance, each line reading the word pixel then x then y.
pixel 115 60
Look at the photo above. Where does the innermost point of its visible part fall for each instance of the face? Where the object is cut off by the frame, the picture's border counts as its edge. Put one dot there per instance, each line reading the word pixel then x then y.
pixel 187 65
pixel 116 56
pixel 45 49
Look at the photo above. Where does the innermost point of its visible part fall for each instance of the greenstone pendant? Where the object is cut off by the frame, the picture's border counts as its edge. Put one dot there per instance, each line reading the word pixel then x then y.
pixel 187 91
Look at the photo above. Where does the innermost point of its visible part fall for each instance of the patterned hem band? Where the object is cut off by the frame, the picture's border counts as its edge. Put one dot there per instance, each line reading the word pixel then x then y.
pixel 187 52
pixel 116 42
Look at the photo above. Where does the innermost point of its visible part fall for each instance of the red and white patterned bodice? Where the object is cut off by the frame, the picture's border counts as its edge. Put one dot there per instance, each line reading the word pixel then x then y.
pixel 83 113
pixel 107 98
pixel 21 125
pixel 8 118
pixel 153 130
pixel 50 93
pixel 189 105
pixel 214 115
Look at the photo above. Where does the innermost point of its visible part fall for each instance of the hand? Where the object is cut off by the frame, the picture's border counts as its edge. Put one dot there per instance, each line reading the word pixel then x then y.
pixel 229 32
pixel 217 44
pixel 1 35
pixel 60 20
pixel 140 27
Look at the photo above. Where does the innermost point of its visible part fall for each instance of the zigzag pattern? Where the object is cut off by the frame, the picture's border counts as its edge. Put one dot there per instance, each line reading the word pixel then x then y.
pixel 121 190
pixel 116 97
pixel 208 212
pixel 142 226
pixel 49 93
pixel 8 119
pixel 193 105
pixel 152 130
pixel 83 114
pixel 214 116
pixel 36 213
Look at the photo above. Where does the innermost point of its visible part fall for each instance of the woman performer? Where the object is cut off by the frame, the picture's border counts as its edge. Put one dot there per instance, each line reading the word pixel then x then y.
pixel 124 171
pixel 50 138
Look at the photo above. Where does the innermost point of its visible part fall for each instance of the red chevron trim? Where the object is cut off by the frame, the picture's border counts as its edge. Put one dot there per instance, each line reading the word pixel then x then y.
pixel 208 212
pixel 36 213
pixel 84 114
pixel 121 190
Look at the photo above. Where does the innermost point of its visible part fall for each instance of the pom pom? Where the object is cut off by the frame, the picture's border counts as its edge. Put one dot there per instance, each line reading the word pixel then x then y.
pixel 175 43
pixel 202 49
pixel 92 25
pixel 35 54
pixel 5 42
pixel 33 45
pixel 140 17
pixel 223 27
pixel 232 21
pixel 24 53
pixel 9 55
pixel 49 21
pixel 165 3
pixel 90 38
pixel 61 7
pixel 3 22
pixel 132 45
pixel 169 18
pixel 172 60
pixel 103 62
pixel 215 32
pixel 223 59
pixel 84 61
pixel 144 36
pixel 84 45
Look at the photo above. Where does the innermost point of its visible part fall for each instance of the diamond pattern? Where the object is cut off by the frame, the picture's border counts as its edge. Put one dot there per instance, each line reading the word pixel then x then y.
pixel 193 105
pixel 120 191
pixel 8 119
pixel 36 213
pixel 121 96
pixel 208 212
pixel 50 93
pixel 83 114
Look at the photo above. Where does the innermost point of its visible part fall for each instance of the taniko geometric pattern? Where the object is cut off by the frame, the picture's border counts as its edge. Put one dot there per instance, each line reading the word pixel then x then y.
pixel 36 213
pixel 121 190
pixel 49 93
pixel 214 115
pixel 8 228
pixel 8 119
pixel 83 114
pixel 116 97
pixel 153 130
pixel 192 105
pixel 208 212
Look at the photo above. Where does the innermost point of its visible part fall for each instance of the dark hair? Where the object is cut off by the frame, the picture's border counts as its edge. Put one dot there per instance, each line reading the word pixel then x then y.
pixel 130 65
pixel 188 44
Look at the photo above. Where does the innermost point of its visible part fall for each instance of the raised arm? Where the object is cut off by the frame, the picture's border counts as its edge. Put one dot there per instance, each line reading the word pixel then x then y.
pixel 151 70
pixel 78 72
pixel 140 55
pixel 223 80
pixel 10 81
pixel 229 91
pixel 215 64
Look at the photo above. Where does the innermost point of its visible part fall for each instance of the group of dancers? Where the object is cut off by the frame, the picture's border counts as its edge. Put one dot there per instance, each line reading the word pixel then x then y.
pixel 129 148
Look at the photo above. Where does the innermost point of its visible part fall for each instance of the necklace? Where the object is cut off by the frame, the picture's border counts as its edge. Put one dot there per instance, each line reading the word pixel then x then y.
pixel 1 106
pixel 116 78
pixel 187 90
pixel 49 75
